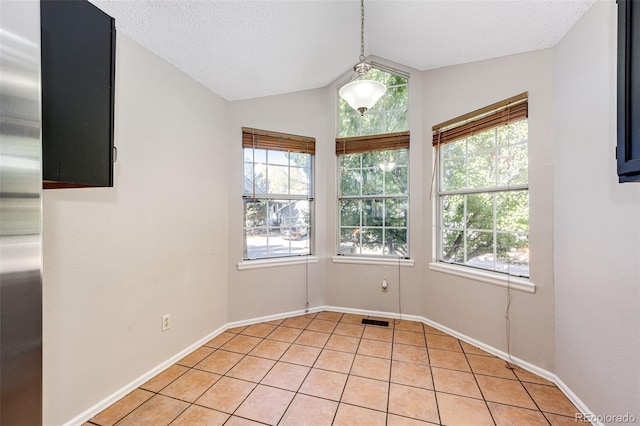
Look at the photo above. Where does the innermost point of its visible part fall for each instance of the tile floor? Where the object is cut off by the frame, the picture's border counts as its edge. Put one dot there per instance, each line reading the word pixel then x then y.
pixel 329 369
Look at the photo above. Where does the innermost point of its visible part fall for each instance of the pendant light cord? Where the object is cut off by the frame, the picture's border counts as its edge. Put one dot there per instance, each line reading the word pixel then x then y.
pixel 362 31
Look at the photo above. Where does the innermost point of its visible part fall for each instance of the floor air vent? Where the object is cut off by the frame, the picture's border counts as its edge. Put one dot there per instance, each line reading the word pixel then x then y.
pixel 375 322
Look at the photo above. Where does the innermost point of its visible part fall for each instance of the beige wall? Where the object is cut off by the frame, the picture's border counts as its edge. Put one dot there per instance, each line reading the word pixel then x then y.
pixel 360 286
pixel 597 225
pixel 117 259
pixel 267 291
pixel 473 308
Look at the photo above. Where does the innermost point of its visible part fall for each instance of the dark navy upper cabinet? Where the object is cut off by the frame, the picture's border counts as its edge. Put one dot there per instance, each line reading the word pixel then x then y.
pixel 78 73
pixel 628 151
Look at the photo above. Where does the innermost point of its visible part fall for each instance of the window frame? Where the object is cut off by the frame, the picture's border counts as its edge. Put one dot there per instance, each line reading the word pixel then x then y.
pixel 362 145
pixel 485 119
pixel 273 142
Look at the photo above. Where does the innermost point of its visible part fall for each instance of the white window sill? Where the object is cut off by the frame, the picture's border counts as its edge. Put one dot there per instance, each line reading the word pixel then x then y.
pixel 501 280
pixel 276 261
pixel 392 261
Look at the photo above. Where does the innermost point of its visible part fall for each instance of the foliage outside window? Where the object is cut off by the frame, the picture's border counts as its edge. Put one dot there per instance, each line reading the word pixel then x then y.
pixel 483 200
pixel 373 189
pixel 278 202
pixel 373 202
pixel 390 114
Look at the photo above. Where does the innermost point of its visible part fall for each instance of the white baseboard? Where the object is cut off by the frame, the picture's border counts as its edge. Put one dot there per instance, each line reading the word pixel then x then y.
pixel 97 408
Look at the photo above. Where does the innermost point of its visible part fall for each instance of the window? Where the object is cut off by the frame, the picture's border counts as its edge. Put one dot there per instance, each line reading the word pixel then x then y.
pixel 483 190
pixel 390 114
pixel 373 195
pixel 373 177
pixel 278 194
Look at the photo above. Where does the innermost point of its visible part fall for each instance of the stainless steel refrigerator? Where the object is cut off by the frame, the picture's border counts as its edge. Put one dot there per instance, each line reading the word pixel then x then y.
pixel 20 215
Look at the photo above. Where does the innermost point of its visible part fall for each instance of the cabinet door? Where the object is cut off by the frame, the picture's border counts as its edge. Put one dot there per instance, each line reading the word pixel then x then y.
pixel 628 152
pixel 78 68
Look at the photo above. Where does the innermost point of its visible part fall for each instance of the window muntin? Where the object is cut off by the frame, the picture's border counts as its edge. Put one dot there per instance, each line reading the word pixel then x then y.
pixel 278 203
pixel 483 200
pixel 389 115
pixel 373 203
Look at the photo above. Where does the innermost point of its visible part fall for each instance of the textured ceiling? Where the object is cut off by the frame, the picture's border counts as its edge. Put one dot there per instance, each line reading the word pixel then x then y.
pixel 246 49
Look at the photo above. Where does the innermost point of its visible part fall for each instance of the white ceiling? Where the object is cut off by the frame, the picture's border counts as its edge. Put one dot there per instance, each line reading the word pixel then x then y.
pixel 244 49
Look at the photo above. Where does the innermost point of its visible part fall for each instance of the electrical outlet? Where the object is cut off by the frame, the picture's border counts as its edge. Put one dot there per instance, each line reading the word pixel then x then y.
pixel 166 322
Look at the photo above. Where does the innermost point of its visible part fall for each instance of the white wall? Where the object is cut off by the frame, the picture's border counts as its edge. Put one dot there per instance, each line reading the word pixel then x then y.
pixel 117 259
pixel 266 291
pixel 471 307
pixel 597 225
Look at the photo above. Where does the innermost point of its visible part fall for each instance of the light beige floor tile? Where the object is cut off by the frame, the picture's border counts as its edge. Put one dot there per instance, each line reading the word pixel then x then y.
pixel 324 384
pixel 164 378
pixel 337 361
pixel 525 376
pixel 241 344
pixel 504 391
pixel 220 339
pixel 122 407
pixel 301 355
pixel 190 385
pixel 196 415
pixel 470 349
pixel 271 349
pixel 251 368
pixel 343 343
pixel 265 404
pixel 413 402
pixel 159 410
pixel 313 338
pixel 239 421
pixel 347 329
pixel 406 373
pixel 296 322
pixel 373 332
pixel 557 420
pixel 237 330
pixel 258 330
pixel 285 334
pixel 366 393
pixel 196 356
pixel 395 420
pixel 348 415
pixel 490 366
pixel 458 410
pixel 551 400
pixel 226 394
pixel 408 338
pixel 286 376
pixel 409 326
pixel 371 367
pixel 448 359
pixel 329 316
pixel 448 343
pixel 309 411
pixel 322 326
pixel 408 353
pixel 353 318
pixel 456 382
pixel 219 362
pixel 375 348
pixel 432 330
pixel 506 415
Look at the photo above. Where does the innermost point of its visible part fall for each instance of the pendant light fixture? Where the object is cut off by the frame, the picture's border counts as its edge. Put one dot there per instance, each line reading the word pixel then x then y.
pixel 362 93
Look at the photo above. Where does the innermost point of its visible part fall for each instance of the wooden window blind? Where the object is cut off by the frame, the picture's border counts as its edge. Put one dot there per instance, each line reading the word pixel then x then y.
pixel 360 144
pixel 501 113
pixel 264 139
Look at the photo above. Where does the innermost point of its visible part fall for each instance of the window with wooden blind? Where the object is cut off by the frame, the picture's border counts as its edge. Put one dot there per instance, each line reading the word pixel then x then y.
pixel 373 195
pixel 278 194
pixel 483 188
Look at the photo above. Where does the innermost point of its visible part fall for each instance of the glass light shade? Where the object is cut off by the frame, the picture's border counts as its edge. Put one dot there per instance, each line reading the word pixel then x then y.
pixel 387 166
pixel 362 94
